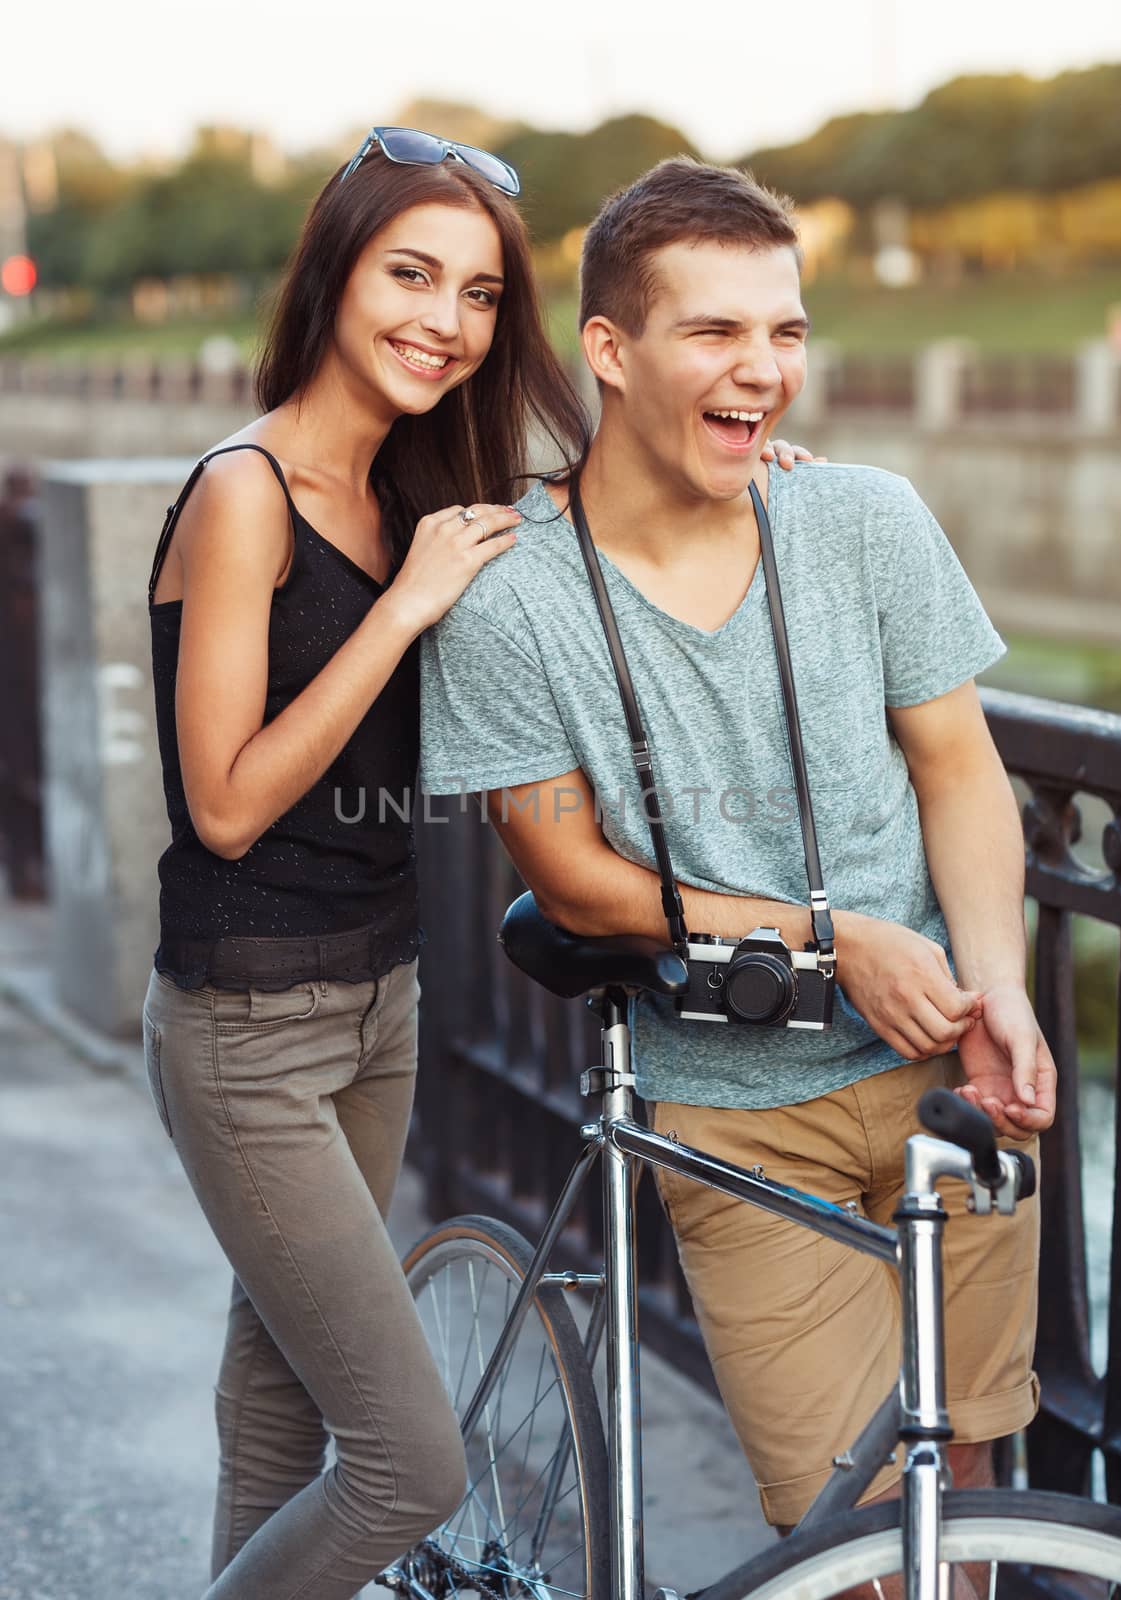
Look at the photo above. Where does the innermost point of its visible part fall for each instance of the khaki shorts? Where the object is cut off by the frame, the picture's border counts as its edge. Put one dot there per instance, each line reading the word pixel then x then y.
pixel 803 1333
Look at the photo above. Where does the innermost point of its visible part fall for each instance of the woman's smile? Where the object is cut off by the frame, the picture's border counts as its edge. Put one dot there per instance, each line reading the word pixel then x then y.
pixel 421 359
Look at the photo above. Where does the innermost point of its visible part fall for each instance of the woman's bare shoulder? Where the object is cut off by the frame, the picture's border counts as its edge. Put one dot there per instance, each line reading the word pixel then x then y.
pixel 237 513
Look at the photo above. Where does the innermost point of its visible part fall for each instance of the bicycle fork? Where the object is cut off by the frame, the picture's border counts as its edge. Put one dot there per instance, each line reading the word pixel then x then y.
pixel 925 1427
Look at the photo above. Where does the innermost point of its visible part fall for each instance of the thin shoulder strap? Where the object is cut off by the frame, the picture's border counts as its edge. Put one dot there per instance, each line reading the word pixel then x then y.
pixel 174 510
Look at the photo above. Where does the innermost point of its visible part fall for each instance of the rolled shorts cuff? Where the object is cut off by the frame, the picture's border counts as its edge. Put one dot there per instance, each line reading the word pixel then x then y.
pixel 995 1416
pixel 977 1421
pixel 786 1503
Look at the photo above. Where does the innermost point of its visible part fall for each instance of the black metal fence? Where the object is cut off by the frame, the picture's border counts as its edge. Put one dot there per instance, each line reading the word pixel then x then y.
pixel 501 1060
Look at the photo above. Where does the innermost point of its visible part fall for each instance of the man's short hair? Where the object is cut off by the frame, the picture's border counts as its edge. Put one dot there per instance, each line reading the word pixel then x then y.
pixel 679 200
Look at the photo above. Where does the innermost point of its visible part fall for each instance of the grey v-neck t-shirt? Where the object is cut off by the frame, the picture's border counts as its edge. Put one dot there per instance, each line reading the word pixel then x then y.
pixel 517 686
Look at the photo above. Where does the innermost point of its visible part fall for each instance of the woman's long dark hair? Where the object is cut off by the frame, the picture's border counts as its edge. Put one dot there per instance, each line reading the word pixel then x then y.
pixel 473 445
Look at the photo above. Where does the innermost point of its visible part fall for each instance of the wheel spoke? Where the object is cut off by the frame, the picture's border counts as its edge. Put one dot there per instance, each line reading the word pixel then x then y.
pixel 522 1525
pixel 487 1418
pixel 492 1461
pixel 442 1324
pixel 527 1497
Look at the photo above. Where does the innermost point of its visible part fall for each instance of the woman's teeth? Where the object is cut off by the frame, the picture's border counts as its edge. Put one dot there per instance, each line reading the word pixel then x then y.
pixel 419 358
pixel 739 416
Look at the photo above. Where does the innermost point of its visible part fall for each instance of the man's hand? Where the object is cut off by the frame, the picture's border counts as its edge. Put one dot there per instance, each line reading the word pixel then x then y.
pixel 1009 1070
pixel 975 851
pixel 901 984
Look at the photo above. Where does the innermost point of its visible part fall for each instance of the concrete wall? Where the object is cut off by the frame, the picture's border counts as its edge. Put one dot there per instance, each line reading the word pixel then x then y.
pixel 44 427
pixel 1030 501
pixel 106 822
pixel 1035 518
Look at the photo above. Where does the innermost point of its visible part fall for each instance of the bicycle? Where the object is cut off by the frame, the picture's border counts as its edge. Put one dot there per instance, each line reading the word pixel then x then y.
pixel 554 1503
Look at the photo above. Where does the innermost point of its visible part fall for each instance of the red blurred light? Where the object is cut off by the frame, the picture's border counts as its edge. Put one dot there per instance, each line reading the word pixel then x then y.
pixel 18 275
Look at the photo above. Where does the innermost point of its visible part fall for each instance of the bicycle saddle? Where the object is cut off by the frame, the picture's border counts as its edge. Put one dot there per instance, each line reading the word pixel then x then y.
pixel 568 965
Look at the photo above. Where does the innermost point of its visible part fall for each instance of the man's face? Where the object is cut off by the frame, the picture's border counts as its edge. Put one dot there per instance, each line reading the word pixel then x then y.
pixel 725 332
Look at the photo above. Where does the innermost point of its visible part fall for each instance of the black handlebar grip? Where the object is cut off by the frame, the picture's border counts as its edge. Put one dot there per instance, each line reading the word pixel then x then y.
pixel 1026 1185
pixel 948 1116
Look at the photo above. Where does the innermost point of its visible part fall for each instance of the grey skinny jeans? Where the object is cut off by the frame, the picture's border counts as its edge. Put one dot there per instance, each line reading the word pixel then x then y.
pixel 289 1113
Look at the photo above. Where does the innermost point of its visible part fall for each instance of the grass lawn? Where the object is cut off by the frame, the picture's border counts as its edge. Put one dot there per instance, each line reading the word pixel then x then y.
pixel 110 339
pixel 1083 674
pixel 1007 313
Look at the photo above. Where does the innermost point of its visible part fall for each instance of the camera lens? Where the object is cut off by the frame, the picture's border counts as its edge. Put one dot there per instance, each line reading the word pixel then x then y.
pixel 760 988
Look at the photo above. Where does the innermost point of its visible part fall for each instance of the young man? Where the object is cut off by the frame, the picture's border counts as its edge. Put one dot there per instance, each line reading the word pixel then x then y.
pixel 694 327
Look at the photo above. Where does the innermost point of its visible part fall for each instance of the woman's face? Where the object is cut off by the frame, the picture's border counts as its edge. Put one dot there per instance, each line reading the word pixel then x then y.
pixel 418 312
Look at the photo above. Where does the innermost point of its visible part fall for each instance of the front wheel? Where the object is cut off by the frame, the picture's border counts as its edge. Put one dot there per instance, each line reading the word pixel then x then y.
pixel 533 1524
pixel 1011 1545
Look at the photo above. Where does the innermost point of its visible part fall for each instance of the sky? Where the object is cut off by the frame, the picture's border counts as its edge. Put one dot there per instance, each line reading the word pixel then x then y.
pixel 140 75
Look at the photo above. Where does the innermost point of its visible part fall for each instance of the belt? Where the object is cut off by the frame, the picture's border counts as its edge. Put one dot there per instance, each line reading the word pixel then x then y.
pixel 237 959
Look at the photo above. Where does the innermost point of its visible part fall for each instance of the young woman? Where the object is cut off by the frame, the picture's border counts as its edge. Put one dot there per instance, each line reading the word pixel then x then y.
pixel 293 577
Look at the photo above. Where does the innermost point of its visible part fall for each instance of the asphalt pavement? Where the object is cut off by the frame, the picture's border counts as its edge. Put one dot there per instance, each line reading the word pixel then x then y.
pixel 112 1313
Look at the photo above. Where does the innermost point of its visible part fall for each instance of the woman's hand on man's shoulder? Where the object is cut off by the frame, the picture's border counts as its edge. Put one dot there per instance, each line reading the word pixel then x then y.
pixel 787 454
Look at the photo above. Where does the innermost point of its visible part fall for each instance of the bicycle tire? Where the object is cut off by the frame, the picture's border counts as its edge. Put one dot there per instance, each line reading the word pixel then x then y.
pixel 1040 1542
pixel 484 1258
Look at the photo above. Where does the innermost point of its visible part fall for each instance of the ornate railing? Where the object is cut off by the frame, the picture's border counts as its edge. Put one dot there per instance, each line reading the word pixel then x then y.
pixel 1002 384
pixel 501 1059
pixel 1073 390
pixel 864 383
pixel 1062 753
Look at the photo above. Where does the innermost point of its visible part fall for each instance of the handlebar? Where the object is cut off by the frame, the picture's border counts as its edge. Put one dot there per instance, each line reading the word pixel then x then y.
pixel 948 1116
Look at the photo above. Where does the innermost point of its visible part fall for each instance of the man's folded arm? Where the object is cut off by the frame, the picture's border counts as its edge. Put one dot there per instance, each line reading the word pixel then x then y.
pixel 897 979
pixel 552 833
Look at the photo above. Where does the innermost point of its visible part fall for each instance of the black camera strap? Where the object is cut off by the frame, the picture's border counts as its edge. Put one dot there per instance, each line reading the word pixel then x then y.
pixel 820 917
pixel 640 746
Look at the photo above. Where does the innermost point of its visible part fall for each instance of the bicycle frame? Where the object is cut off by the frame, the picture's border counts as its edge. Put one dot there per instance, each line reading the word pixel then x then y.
pixel 915 1414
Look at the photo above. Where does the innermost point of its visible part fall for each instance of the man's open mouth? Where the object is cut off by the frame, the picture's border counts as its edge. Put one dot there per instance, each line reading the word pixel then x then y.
pixel 736 429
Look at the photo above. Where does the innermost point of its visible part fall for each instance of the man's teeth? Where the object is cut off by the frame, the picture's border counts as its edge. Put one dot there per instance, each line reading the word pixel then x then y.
pixel 420 358
pixel 739 416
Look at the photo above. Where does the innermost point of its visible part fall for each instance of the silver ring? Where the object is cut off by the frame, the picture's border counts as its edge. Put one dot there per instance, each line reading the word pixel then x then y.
pixel 467 515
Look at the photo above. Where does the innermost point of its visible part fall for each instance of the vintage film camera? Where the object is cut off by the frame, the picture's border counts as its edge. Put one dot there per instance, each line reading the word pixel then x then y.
pixel 757 979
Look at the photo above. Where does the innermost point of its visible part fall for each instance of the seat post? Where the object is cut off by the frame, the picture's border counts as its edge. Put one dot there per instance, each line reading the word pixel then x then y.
pixel 624 1396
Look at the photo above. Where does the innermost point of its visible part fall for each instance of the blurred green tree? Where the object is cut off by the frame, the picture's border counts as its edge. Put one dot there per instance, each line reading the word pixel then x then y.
pixel 820 165
pixel 975 135
pixel 208 217
pixel 89 186
pixel 565 176
pixel 235 203
pixel 1075 135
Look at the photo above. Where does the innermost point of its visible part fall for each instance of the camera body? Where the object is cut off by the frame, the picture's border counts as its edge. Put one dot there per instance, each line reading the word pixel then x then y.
pixel 757 980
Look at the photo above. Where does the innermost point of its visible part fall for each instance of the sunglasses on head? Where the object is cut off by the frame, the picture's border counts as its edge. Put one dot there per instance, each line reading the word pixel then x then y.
pixel 410 147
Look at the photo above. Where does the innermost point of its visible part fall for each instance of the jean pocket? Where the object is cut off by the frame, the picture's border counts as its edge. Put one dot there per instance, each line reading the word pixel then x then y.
pixel 152 1041
pixel 258 1010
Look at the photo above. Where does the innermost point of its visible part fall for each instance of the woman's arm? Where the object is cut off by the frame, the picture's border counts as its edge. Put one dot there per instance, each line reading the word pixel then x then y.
pixel 233 541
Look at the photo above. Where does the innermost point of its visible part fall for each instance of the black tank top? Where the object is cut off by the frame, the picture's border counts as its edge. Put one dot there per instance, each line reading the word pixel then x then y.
pixel 343 857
